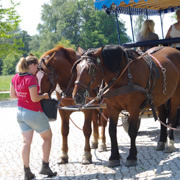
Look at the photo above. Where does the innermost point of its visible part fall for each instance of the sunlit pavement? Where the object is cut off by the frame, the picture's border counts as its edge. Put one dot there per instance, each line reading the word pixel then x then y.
pixel 152 164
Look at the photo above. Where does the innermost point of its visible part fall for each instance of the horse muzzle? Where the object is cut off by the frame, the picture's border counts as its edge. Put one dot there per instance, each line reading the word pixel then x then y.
pixel 79 99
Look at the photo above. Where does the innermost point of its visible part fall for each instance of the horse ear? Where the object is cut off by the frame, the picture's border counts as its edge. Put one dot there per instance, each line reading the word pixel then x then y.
pixel 97 53
pixel 80 51
pixel 51 58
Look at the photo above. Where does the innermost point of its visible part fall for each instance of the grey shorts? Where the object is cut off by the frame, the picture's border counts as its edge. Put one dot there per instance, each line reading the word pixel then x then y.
pixel 32 120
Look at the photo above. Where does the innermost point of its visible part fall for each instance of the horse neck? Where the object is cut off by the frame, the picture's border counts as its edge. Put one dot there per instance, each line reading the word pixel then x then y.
pixel 64 77
pixel 65 82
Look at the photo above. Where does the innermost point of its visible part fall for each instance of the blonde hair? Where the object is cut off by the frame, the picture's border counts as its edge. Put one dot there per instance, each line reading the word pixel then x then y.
pixel 147 27
pixel 23 64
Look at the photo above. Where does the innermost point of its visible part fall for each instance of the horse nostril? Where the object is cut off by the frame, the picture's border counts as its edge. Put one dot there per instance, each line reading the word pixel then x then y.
pixel 78 99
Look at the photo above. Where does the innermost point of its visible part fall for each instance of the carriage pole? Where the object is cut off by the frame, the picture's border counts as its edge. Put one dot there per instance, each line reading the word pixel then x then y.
pixel 117 27
pixel 131 23
pixel 161 25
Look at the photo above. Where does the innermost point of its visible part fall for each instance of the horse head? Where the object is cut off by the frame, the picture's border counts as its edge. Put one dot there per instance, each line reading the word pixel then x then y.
pixel 55 69
pixel 46 74
pixel 95 65
pixel 89 74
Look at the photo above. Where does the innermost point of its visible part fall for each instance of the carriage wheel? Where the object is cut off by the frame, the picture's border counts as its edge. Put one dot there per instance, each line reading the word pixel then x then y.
pixel 125 123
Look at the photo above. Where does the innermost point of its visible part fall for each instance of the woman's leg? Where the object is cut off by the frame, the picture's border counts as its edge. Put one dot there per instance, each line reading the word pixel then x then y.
pixel 27 140
pixel 46 147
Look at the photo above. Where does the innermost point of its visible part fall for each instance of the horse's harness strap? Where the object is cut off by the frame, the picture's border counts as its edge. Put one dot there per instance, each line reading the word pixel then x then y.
pixel 81 84
pixel 124 90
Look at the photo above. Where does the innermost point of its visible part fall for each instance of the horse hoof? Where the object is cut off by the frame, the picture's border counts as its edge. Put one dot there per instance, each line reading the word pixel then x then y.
pixel 130 163
pixel 160 146
pixel 113 163
pixel 87 158
pixel 63 161
pixel 102 147
pixel 94 145
pixel 169 147
pixel 86 161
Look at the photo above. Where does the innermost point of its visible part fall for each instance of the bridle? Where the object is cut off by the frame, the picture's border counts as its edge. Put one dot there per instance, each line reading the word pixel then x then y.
pixel 50 72
pixel 92 73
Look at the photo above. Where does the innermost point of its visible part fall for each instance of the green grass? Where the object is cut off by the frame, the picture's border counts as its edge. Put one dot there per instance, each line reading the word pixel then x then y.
pixel 5 82
pixel 4 96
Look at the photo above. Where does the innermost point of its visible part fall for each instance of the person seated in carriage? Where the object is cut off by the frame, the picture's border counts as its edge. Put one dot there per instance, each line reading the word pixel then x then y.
pixel 147 33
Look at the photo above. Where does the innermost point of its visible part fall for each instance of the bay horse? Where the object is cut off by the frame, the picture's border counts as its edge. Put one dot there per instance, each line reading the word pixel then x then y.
pixel 55 74
pixel 133 82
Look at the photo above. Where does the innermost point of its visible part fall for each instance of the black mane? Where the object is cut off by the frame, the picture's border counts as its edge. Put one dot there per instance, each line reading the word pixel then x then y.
pixel 112 57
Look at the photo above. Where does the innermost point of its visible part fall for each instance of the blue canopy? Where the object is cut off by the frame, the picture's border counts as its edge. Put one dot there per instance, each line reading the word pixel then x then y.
pixel 136 7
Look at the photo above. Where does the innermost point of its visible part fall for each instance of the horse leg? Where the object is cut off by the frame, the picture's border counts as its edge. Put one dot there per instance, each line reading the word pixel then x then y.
pixel 169 147
pixel 94 142
pixel 114 159
pixel 134 122
pixel 87 157
pixel 64 131
pixel 163 130
pixel 102 138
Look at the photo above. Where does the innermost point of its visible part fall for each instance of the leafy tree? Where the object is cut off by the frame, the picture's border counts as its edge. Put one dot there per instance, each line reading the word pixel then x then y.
pixel 34 45
pixel 9 64
pixel 78 22
pixel 66 43
pixel 25 38
pixel 9 24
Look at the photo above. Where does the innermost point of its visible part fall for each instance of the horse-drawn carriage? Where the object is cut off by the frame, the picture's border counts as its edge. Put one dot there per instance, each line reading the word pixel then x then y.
pixel 132 82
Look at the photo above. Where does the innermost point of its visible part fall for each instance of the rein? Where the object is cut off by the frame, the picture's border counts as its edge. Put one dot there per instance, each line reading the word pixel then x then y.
pixel 92 72
pixel 130 87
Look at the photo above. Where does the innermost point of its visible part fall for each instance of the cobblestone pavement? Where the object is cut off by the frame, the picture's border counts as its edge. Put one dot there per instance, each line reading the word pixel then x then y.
pixel 152 164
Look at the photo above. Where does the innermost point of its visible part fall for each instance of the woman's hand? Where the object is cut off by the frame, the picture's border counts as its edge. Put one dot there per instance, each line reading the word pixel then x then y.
pixel 35 97
pixel 45 96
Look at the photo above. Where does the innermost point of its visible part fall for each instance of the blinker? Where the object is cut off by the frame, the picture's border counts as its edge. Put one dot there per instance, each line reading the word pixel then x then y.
pixel 98 60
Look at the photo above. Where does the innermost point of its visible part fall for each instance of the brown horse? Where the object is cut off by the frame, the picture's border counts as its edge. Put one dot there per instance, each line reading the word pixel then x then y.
pixel 55 72
pixel 133 82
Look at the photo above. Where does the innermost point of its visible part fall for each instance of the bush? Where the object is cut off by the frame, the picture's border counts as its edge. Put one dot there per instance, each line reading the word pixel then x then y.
pixel 9 64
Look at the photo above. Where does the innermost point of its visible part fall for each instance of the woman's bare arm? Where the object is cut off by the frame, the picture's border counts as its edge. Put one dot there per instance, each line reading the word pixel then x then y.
pixel 12 92
pixel 35 97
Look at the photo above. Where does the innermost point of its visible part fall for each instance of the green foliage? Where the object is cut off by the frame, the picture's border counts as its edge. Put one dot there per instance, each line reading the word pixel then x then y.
pixel 4 96
pixel 77 22
pixel 25 39
pixel 9 64
pixel 70 23
pixel 5 82
pixel 66 43
pixel 9 24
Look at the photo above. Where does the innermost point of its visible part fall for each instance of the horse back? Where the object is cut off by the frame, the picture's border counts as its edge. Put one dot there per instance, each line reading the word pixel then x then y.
pixel 169 82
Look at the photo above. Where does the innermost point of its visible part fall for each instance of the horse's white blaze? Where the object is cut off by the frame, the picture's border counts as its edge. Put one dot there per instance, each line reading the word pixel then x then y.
pixel 39 76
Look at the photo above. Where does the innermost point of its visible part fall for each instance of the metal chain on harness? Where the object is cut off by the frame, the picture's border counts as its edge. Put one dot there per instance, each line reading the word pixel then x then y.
pixel 163 70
